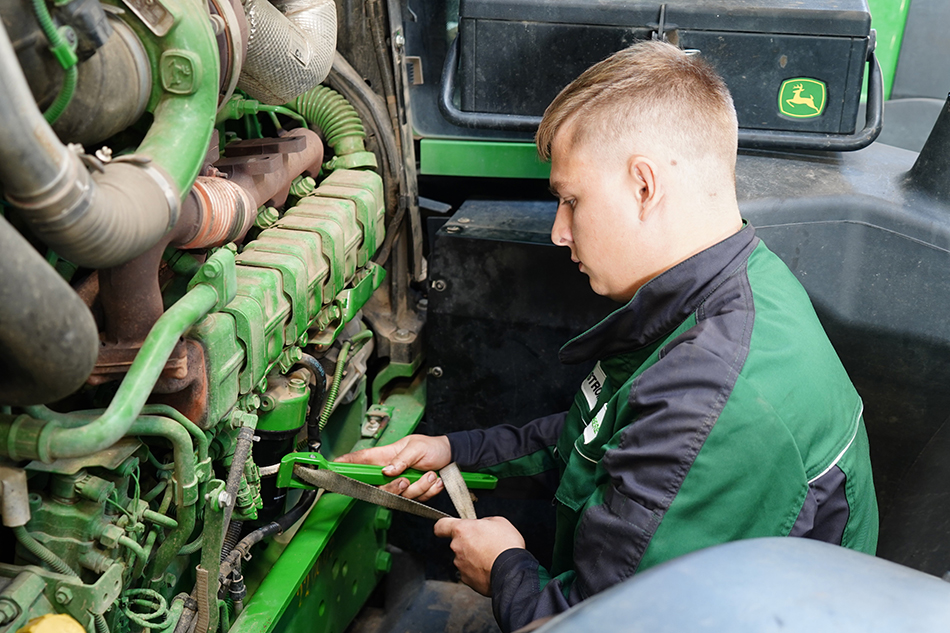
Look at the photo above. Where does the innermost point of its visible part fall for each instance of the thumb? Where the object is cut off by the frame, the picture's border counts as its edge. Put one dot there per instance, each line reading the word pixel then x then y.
pixel 445 528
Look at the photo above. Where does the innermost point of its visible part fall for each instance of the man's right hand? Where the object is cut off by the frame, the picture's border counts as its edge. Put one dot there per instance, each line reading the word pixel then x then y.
pixel 415 451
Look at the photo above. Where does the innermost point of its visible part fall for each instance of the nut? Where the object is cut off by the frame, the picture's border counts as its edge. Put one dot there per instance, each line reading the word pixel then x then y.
pixel 64 595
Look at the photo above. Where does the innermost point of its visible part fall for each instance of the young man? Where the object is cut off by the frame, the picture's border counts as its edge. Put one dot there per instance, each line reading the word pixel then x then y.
pixel 717 410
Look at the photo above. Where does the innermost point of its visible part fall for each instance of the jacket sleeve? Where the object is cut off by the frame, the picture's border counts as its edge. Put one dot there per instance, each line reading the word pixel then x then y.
pixel 509 451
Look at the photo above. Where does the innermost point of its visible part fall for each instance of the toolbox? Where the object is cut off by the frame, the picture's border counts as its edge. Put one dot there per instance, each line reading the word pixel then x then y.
pixel 791 65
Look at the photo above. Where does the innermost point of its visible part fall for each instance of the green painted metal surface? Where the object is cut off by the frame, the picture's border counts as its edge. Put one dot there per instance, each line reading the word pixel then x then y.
pixel 481 159
pixel 324 575
pixel 316 579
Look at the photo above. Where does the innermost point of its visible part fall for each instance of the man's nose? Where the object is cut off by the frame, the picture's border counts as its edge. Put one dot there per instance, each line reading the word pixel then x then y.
pixel 561 231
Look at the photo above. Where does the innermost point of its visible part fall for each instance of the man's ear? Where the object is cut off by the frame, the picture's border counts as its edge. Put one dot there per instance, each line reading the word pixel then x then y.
pixel 645 181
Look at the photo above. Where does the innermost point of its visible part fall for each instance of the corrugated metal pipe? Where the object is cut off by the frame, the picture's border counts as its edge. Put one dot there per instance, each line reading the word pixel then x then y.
pixel 289 48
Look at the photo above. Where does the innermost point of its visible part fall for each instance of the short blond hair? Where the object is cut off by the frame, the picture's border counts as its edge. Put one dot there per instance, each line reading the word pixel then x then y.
pixel 651 91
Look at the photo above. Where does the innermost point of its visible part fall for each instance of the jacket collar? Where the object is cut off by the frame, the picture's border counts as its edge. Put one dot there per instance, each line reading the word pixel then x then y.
pixel 662 303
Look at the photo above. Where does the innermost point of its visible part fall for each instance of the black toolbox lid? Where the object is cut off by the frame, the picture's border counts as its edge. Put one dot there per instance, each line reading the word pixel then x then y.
pixel 800 17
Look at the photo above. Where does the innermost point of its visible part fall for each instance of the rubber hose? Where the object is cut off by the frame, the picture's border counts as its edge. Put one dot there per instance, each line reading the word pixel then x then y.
pixel 328 110
pixel 235 558
pixel 316 395
pixel 37 549
pixel 49 341
pixel 241 452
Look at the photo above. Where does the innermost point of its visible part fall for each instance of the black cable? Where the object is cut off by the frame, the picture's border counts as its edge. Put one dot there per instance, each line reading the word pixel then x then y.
pixel 317 395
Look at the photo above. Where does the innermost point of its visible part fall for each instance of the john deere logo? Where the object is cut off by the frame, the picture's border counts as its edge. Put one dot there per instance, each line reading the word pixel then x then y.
pixel 802 98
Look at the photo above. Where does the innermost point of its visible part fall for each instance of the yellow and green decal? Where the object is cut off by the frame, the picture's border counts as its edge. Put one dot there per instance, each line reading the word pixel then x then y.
pixel 802 98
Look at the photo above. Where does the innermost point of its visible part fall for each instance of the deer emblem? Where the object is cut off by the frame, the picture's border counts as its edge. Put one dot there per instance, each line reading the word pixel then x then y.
pixel 798 99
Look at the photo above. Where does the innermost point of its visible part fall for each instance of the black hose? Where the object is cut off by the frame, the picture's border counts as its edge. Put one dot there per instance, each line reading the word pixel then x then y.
pixel 235 558
pixel 242 450
pixel 315 405
pixel 49 341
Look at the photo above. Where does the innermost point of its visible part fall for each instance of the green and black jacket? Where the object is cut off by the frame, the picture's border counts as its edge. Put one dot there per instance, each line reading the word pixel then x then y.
pixel 718 411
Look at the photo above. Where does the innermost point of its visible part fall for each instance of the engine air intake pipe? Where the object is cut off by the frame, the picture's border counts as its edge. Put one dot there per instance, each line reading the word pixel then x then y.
pixel 125 207
pixel 289 49
pixel 49 341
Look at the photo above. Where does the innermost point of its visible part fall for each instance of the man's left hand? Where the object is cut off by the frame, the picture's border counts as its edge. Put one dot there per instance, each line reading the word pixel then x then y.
pixel 476 545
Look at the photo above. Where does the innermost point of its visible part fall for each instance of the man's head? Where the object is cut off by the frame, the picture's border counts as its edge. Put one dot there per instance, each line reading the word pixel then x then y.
pixel 643 152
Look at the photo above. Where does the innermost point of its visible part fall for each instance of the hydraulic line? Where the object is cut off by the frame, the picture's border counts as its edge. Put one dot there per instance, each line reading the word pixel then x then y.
pixel 235 559
pixel 52 440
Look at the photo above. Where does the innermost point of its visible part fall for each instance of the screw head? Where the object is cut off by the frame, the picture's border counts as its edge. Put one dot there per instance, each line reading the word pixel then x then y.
pixel 438 285
pixel 453 229
pixel 464 220
pixel 435 372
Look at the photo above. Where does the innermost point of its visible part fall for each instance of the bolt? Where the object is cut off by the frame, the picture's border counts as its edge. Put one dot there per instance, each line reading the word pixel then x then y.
pixel 463 220
pixel 384 561
pixel 435 372
pixel 64 595
pixel 212 272
pixel 224 499
pixel 267 403
pixel 453 229
pixel 438 285
pixel 402 335
pixel 399 41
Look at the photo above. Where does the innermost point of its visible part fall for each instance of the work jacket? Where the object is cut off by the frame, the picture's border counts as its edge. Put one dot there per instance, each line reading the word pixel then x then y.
pixel 718 410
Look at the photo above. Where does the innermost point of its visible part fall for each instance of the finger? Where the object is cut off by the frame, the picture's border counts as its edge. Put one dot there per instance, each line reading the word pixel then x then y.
pixel 445 528
pixel 426 487
pixel 378 456
pixel 397 486
pixel 405 458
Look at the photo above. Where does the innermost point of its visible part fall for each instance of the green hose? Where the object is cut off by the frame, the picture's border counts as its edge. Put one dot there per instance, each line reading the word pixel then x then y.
pixel 37 549
pixel 335 387
pixel 56 563
pixel 66 57
pixel 338 374
pixel 332 113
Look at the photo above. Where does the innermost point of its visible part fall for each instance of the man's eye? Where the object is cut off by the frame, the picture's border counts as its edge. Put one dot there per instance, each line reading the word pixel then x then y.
pixel 569 202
